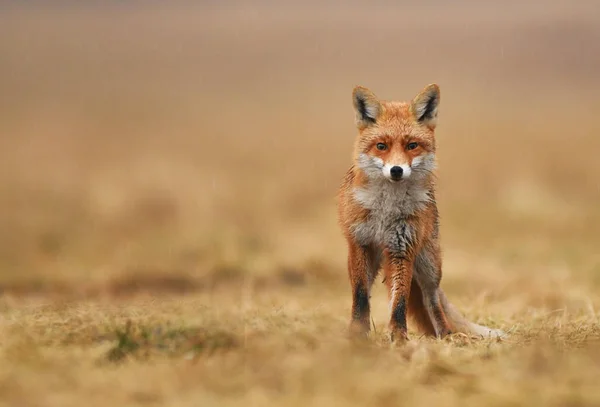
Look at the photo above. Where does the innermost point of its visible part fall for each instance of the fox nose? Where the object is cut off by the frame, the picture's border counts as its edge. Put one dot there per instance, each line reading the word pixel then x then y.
pixel 396 172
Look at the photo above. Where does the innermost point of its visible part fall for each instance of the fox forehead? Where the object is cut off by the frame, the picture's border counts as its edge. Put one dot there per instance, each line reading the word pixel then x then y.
pixel 395 121
pixel 395 115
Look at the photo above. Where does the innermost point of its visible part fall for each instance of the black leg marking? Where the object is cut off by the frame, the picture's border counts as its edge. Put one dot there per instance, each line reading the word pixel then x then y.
pixel 399 314
pixel 361 303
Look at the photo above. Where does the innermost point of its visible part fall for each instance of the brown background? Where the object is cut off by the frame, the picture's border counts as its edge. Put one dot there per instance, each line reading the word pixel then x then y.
pixel 196 148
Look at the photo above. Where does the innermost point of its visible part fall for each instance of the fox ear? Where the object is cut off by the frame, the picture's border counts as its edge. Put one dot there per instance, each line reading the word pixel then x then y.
pixel 366 105
pixel 425 106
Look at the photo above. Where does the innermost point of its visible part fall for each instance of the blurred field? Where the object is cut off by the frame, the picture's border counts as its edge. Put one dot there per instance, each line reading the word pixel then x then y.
pixel 167 213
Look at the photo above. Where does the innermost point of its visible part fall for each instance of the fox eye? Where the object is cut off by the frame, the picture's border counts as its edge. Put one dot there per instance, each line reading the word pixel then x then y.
pixel 412 146
pixel 381 146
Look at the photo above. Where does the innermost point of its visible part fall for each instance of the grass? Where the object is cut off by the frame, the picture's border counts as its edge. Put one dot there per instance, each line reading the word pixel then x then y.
pixel 272 351
pixel 168 228
pixel 140 342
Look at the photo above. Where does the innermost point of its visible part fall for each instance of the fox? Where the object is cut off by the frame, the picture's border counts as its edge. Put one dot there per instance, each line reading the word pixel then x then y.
pixel 388 214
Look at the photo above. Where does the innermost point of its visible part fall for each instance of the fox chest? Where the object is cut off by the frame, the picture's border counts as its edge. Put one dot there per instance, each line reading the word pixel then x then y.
pixel 389 209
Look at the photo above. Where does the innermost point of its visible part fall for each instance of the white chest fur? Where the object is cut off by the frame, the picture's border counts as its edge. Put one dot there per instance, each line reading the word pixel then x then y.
pixel 388 204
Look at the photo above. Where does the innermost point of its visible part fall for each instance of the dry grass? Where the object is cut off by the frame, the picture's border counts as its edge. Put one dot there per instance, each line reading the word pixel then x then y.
pixel 167 221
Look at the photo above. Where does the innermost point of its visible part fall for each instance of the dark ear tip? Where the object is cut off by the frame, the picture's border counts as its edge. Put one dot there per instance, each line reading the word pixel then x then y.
pixel 433 89
pixel 359 91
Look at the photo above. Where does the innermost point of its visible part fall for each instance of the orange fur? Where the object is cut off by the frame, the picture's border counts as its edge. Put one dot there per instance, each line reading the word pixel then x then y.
pixel 390 221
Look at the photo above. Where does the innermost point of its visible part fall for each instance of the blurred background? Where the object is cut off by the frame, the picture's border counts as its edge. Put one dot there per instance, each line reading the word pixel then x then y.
pixel 166 146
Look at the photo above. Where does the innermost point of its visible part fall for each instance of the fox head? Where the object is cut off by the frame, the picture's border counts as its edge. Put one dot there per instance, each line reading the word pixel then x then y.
pixel 396 139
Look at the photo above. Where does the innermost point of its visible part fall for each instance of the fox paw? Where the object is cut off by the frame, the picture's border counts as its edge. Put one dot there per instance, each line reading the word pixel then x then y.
pixel 399 337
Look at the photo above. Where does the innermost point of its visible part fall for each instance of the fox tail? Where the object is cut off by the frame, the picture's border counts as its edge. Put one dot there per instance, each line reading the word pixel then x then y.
pixel 458 323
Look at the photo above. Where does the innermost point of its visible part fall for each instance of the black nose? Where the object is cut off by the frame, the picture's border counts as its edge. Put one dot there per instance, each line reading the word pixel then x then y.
pixel 396 172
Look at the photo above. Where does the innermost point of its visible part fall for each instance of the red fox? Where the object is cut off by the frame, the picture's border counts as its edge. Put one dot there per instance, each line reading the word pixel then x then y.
pixel 389 216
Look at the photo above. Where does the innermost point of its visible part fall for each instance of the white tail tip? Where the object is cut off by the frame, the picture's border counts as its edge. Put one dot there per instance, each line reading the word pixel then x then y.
pixel 486 332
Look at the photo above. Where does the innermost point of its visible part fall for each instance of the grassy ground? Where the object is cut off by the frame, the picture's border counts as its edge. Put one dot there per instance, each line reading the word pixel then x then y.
pixel 167 214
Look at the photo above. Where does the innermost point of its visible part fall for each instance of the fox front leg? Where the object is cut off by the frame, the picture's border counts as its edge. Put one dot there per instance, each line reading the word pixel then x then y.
pixel 400 248
pixel 363 263
pixel 398 272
